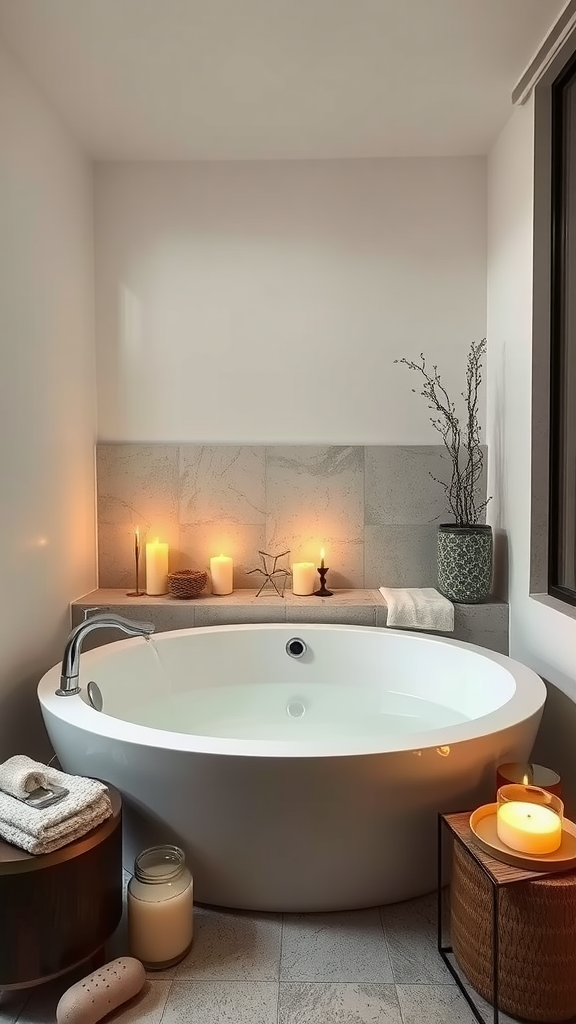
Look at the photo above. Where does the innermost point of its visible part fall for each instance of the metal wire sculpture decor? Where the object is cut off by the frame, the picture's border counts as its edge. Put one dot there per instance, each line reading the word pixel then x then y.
pixel 271 572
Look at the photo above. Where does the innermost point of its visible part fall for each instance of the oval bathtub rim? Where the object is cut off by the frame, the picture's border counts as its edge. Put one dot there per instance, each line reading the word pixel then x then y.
pixel 527 702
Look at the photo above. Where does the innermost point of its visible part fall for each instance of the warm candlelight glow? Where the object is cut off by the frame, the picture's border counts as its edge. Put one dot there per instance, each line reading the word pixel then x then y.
pixel 322 558
pixel 529 828
pixel 527 774
pixel 529 819
pixel 157 567
pixel 222 573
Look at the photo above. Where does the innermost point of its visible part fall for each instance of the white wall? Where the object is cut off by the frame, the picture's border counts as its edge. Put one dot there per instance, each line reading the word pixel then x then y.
pixel 266 302
pixel 47 397
pixel 540 636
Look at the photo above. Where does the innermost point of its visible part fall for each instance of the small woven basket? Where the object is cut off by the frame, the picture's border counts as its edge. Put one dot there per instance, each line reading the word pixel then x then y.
pixel 187 583
pixel 536 940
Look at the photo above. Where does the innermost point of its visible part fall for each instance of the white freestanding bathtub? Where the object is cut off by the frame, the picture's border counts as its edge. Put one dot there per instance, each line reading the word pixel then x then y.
pixel 308 783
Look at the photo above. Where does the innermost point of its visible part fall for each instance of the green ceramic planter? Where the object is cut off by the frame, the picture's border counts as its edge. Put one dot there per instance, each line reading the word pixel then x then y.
pixel 464 562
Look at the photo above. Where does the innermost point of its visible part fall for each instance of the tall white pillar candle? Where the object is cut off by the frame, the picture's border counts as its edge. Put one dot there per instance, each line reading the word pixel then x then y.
pixel 304 578
pixel 222 573
pixel 156 567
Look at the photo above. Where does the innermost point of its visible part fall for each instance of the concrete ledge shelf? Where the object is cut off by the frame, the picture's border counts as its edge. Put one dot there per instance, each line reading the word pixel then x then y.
pixel 483 624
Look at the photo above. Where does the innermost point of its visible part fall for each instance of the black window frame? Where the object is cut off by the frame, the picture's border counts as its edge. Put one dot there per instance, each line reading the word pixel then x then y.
pixel 558 340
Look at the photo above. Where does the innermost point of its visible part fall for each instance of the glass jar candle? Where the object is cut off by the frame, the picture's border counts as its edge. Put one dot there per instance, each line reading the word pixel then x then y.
pixel 525 773
pixel 160 907
pixel 529 819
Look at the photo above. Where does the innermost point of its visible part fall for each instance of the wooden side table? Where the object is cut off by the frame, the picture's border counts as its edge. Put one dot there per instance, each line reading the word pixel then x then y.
pixel 57 910
pixel 513 932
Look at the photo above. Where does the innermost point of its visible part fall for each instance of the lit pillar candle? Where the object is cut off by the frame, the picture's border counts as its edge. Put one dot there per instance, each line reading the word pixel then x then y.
pixel 304 578
pixel 156 567
pixel 222 573
pixel 528 828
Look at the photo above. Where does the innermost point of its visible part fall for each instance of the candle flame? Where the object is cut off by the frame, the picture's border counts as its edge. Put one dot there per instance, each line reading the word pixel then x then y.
pixel 321 552
pixel 525 780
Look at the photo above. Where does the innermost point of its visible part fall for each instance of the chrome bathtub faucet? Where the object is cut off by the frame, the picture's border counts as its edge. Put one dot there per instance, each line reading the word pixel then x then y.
pixel 73 649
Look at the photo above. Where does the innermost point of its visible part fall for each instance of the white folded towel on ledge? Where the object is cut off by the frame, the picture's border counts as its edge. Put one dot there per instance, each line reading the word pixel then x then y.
pixel 45 830
pixel 418 608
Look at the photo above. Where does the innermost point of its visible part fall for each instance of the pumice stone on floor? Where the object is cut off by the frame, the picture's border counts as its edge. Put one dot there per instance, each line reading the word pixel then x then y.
pixel 102 992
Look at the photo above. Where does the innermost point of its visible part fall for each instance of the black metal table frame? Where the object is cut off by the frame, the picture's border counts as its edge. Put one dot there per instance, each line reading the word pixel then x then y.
pixel 445 950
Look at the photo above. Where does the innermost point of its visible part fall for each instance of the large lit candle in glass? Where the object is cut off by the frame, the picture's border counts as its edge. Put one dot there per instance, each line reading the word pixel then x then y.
pixel 529 820
pixel 222 573
pixel 304 578
pixel 528 774
pixel 156 567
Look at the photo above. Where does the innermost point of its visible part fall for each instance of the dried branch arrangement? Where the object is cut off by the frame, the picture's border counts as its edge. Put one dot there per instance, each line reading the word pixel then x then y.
pixel 462 443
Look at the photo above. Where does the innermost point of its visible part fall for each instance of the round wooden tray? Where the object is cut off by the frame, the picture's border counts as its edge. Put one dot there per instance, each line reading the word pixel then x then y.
pixel 483 828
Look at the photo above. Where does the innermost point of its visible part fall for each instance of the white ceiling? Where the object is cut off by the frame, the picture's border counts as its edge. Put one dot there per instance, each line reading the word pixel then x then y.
pixel 275 79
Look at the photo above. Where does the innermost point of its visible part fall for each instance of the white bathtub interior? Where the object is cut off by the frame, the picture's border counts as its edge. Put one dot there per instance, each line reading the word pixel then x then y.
pixel 243 685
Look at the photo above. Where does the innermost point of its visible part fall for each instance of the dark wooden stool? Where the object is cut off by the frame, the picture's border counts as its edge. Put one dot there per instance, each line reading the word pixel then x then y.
pixel 57 910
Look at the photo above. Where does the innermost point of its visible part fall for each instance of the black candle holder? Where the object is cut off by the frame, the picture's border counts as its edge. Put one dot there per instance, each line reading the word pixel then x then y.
pixel 322 592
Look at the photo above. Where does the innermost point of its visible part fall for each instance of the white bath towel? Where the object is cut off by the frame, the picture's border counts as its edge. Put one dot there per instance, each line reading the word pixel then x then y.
pixel 418 608
pixel 45 830
pixel 19 776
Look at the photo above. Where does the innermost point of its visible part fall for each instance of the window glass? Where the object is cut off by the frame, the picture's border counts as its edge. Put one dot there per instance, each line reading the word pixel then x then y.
pixel 562 561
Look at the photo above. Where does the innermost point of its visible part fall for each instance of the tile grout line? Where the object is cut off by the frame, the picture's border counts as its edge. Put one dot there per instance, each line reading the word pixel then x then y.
pixel 168 994
pixel 22 1008
pixel 394 982
pixel 280 967
pixel 385 935
pixel 399 1003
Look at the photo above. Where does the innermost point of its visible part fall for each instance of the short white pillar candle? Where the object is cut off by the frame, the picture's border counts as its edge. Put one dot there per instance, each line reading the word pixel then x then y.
pixel 304 578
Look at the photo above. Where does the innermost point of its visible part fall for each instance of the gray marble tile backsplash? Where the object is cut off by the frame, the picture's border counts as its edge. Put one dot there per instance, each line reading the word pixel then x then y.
pixel 374 509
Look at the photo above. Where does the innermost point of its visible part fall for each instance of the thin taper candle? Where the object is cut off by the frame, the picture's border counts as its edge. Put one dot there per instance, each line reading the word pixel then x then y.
pixel 322 558
pixel 136 592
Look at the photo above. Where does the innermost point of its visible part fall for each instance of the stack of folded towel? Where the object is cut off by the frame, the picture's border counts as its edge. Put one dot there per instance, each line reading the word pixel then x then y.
pixel 43 830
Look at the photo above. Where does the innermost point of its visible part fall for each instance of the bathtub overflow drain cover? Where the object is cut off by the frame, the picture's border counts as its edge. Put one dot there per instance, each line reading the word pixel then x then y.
pixel 295 709
pixel 296 647
pixel 94 695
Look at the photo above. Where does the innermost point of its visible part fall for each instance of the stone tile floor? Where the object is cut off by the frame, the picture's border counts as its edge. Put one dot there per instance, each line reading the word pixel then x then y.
pixel 377 966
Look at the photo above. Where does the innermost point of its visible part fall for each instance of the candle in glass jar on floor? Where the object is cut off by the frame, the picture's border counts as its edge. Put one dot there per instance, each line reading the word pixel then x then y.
pixel 304 578
pixel 156 567
pixel 222 573
pixel 160 907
